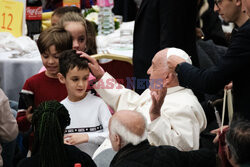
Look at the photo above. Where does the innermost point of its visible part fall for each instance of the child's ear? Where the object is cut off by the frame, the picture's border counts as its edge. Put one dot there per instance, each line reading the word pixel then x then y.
pixel 61 78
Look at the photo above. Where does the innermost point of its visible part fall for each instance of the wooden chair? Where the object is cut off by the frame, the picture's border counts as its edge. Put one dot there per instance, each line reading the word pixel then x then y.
pixel 120 67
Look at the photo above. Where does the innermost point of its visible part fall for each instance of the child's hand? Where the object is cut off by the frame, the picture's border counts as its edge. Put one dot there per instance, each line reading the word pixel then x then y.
pixel 28 114
pixel 76 138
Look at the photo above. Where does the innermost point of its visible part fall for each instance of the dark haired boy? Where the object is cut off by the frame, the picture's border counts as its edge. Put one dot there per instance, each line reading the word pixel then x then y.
pixel 89 114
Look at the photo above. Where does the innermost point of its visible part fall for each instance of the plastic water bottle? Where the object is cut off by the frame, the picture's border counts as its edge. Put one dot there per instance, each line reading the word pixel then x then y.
pixel 105 17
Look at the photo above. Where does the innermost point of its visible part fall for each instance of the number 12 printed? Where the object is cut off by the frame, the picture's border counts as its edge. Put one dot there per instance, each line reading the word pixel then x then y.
pixel 11 17
pixel 9 21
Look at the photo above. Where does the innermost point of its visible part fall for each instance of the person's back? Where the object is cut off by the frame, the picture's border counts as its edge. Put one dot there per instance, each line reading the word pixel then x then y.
pixel 126 8
pixel 73 154
pixel 89 114
pixel 238 53
pixel 127 131
pixel 49 122
pixel 160 24
pixel 144 154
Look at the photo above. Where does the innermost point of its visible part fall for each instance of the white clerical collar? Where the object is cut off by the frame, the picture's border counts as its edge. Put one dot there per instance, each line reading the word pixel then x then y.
pixel 174 89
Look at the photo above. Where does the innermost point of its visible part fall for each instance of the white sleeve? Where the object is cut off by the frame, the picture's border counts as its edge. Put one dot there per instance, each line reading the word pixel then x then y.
pixel 179 127
pixel 115 94
pixel 103 116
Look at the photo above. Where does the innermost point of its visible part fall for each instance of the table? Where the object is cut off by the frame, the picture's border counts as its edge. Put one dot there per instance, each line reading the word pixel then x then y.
pixel 15 70
pixel 112 43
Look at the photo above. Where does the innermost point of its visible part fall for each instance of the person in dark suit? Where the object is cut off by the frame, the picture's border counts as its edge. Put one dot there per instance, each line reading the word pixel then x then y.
pixel 160 24
pixel 127 132
pixel 210 24
pixel 233 66
pixel 126 8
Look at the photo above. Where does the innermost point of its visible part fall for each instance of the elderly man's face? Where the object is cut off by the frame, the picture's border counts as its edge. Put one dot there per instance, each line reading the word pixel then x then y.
pixel 158 72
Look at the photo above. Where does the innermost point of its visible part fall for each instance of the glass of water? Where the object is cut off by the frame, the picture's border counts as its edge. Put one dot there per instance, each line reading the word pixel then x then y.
pixel 126 37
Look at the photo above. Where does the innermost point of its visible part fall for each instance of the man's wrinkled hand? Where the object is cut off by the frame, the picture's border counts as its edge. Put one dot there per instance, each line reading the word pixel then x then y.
pixel 158 97
pixel 95 68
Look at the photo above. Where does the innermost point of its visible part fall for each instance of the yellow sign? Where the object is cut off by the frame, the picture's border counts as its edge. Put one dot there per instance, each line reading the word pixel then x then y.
pixel 11 17
pixel 76 3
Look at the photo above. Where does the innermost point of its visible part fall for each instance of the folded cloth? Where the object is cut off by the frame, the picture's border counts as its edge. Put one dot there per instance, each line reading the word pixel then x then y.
pixel 22 45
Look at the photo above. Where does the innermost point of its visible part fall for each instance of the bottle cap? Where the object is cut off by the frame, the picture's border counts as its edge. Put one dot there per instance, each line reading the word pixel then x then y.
pixel 105 3
pixel 77 165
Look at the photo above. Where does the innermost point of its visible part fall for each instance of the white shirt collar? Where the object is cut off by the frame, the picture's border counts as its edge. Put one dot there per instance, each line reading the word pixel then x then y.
pixel 174 89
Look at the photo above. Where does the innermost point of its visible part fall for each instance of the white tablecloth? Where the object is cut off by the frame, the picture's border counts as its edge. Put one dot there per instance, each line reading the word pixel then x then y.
pixel 112 43
pixel 15 71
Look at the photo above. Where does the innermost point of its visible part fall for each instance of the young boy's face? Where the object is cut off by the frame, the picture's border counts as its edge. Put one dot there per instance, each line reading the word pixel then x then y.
pixel 76 82
pixel 50 61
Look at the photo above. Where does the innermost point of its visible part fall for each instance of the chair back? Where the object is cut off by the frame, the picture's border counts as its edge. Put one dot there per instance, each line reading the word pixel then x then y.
pixel 120 67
